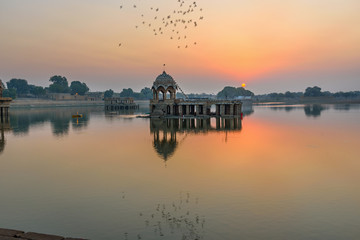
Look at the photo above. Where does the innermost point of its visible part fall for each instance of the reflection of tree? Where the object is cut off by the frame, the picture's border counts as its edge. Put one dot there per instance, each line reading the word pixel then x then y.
pixel 313 110
pixel 285 108
pixel 60 125
pixel 59 118
pixel 346 107
pixel 165 131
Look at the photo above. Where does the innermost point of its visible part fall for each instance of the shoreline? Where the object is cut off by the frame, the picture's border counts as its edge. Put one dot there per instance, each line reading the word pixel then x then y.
pixel 11 234
pixel 25 103
pixel 41 103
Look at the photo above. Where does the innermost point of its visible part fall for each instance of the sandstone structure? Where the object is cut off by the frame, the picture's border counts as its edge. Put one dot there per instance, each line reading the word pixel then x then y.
pixel 4 105
pixel 165 103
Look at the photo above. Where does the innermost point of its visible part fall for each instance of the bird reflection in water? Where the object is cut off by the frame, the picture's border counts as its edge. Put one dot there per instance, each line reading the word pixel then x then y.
pixel 165 131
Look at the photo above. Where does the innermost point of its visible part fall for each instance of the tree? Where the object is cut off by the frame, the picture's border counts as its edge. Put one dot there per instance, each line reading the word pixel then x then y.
pixel 20 85
pixel 37 90
pixel 313 92
pixel 59 85
pixel 9 93
pixel 232 92
pixel 108 93
pixel 127 93
pixel 147 93
pixel 290 95
pixel 77 87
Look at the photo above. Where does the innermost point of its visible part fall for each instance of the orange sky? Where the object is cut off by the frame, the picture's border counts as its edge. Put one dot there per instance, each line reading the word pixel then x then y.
pixel 270 45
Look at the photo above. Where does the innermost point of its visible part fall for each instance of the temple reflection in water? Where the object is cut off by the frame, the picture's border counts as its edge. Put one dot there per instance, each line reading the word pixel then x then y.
pixel 4 127
pixel 164 131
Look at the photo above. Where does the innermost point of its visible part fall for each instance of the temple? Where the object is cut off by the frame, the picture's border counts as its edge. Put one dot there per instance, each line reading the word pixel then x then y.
pixel 165 103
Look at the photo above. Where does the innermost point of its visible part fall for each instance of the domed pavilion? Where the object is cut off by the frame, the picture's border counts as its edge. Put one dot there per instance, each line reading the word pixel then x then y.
pixel 165 103
pixel 164 87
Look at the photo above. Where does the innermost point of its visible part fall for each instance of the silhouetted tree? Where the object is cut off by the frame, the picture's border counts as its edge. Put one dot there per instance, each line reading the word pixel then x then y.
pixel 313 92
pixel 232 92
pixel 127 93
pixel 59 85
pixel 37 90
pixel 108 93
pixel 147 93
pixel 9 93
pixel 78 87
pixel 21 86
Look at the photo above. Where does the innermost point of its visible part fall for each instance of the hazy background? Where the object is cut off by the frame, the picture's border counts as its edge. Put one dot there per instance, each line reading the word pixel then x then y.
pixel 270 45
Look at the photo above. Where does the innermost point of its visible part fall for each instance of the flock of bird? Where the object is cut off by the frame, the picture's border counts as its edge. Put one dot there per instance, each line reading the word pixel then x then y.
pixel 174 25
pixel 175 220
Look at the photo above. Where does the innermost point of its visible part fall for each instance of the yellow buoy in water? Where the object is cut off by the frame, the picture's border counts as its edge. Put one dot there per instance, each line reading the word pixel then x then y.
pixel 77 115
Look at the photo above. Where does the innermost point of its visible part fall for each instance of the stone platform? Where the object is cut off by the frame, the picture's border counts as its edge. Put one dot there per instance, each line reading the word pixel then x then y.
pixel 10 234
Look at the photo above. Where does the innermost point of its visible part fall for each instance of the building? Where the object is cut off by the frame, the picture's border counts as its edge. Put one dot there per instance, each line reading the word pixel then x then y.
pixel 115 104
pixel 165 103
pixel 4 105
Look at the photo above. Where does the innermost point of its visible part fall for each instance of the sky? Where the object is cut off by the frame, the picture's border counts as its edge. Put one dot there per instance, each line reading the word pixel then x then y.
pixel 270 45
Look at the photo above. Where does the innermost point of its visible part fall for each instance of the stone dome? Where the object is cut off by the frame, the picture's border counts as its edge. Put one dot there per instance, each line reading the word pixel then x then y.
pixel 164 80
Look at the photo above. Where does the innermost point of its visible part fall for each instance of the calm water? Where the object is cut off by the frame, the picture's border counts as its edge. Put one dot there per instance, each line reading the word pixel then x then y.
pixel 283 172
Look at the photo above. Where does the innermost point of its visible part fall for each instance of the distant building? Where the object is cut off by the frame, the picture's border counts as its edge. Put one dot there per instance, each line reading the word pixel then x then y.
pixel 4 105
pixel 118 103
pixel 96 96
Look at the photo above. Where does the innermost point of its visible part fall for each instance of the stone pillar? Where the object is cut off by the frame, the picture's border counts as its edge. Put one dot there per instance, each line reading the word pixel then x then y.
pixel 187 110
pixel 198 123
pixel 218 124
pixel 208 109
pixel 180 110
pixel 198 110
pixel 232 123
pixel 171 109
pixel 217 110
pixel 222 109
pixel 232 109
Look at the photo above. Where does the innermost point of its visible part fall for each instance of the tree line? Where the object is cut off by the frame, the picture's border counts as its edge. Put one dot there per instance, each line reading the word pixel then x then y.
pixel 21 88
pixel 59 84
pixel 310 92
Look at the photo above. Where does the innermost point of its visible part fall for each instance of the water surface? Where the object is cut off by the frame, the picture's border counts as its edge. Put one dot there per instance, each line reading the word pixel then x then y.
pixel 283 172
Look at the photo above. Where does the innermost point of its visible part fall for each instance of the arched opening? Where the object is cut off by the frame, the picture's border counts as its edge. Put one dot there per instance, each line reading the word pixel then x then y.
pixel 155 96
pixel 153 108
pixel 235 109
pixel 192 109
pixel 161 95
pixel 168 95
pixel 176 110
pixel 168 109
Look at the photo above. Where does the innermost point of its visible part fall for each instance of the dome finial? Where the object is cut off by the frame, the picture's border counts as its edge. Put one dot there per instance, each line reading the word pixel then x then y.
pixel 164 65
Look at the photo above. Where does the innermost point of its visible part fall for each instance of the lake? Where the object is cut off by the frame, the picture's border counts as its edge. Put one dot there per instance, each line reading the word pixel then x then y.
pixel 282 172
